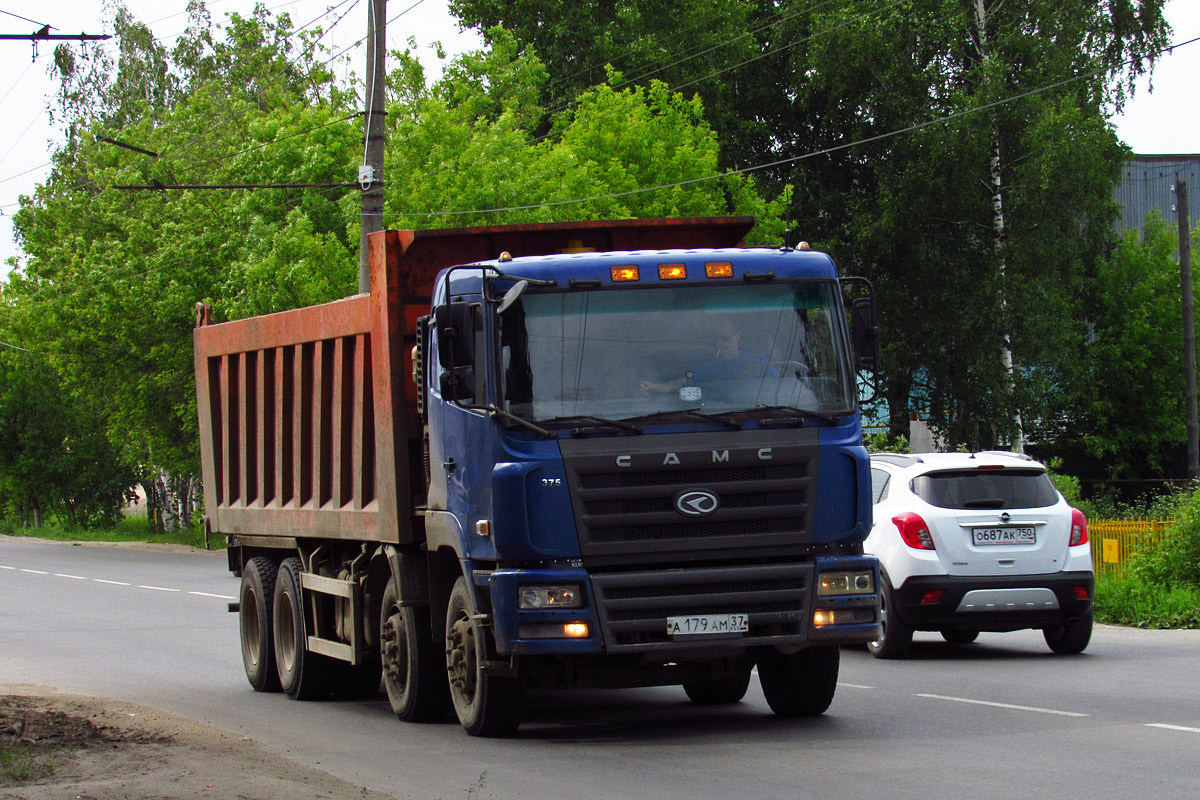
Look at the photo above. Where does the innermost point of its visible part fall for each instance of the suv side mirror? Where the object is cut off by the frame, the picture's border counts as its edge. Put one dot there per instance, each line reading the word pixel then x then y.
pixel 864 331
pixel 455 325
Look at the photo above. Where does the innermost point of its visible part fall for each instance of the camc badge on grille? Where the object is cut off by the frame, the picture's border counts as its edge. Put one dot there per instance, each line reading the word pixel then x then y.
pixel 696 503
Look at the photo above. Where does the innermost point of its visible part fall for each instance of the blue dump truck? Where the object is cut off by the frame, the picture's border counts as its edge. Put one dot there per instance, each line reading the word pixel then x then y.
pixel 595 454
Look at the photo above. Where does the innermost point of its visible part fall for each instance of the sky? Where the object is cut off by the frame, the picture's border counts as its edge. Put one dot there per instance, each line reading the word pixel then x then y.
pixel 1166 120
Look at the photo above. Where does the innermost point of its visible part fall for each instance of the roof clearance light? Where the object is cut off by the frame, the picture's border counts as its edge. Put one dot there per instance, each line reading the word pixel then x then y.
pixel 718 269
pixel 672 272
pixel 804 246
pixel 627 272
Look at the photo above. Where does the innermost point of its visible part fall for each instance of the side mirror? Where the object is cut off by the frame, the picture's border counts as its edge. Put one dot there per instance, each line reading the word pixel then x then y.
pixel 455 325
pixel 864 331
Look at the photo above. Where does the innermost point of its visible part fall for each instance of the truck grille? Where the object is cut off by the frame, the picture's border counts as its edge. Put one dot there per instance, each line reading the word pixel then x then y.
pixel 627 492
pixel 634 606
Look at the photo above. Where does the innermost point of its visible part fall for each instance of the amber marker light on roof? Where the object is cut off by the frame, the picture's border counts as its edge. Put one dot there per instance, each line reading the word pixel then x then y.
pixel 672 272
pixel 718 269
pixel 628 272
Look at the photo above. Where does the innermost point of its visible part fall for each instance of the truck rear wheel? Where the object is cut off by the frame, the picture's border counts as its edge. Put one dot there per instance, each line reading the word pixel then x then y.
pixel 302 674
pixel 486 705
pixel 719 691
pixel 255 626
pixel 800 684
pixel 414 672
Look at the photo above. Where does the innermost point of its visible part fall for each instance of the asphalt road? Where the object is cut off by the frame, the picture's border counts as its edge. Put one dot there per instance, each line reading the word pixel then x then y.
pixel 1001 718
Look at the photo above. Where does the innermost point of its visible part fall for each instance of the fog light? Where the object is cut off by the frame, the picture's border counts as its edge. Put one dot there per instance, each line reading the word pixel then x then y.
pixel 553 630
pixel 536 598
pixel 823 617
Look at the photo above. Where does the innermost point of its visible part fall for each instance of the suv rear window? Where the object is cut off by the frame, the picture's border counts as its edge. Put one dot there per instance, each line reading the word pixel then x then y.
pixel 1001 488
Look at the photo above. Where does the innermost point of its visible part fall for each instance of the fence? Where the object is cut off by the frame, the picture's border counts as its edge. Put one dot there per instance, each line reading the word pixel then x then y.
pixel 1114 541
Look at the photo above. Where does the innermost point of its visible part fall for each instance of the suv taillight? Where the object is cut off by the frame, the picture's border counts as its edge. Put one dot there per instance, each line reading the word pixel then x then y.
pixel 914 531
pixel 1078 527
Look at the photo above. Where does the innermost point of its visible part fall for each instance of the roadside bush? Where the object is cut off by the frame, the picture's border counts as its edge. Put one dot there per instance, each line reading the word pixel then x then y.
pixel 1173 561
pixel 1128 600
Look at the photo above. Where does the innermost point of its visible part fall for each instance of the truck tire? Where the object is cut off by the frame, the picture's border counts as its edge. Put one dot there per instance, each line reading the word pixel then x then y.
pixel 256 629
pixel 414 671
pixel 897 634
pixel 718 691
pixel 486 705
pixel 1070 639
pixel 799 684
pixel 303 675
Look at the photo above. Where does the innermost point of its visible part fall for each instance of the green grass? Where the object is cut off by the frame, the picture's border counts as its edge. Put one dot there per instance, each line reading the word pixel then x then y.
pixel 1126 600
pixel 129 529
pixel 20 763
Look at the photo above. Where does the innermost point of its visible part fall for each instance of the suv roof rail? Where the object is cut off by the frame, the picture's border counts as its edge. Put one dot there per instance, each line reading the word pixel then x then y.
pixel 1008 453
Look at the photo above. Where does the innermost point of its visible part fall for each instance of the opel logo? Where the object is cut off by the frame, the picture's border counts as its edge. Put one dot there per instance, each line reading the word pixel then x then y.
pixel 1005 517
pixel 696 503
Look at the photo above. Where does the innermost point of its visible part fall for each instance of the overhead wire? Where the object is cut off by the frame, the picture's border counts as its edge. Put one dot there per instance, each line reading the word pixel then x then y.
pixel 795 159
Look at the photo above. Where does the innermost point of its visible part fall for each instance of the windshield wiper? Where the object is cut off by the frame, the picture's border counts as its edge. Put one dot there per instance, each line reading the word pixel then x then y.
pixel 799 415
pixel 495 410
pixel 692 412
pixel 600 421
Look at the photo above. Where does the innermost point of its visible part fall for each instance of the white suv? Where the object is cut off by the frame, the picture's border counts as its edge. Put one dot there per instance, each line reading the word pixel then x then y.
pixel 972 542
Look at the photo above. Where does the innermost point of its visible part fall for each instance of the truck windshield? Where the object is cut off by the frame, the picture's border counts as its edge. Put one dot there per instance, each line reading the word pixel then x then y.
pixel 630 352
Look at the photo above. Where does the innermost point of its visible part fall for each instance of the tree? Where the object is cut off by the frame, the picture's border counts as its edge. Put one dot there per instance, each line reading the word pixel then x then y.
pixel 1121 413
pixel 474 134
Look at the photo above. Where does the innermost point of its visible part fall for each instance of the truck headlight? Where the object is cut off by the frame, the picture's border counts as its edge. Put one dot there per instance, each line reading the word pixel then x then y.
pixel 832 584
pixel 538 598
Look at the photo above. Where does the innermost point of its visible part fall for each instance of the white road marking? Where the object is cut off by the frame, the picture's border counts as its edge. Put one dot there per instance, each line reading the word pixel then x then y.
pixel 854 685
pixel 1172 727
pixel 1004 705
pixel 114 583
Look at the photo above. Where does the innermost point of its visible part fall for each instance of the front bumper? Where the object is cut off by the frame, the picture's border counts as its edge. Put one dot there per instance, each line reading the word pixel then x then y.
pixel 627 611
pixel 1004 603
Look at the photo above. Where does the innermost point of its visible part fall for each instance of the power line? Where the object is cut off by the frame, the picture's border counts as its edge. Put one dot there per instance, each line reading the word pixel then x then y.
pixel 795 159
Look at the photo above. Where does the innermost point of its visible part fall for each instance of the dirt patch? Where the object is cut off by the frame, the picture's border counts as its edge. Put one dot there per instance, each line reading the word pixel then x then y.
pixel 65 746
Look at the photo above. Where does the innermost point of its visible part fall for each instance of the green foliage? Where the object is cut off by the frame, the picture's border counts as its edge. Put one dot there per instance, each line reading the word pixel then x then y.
pixel 1174 561
pixel 1123 400
pixel 474 134
pixel 885 442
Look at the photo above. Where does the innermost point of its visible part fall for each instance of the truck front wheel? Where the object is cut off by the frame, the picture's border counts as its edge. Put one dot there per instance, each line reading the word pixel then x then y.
pixel 799 684
pixel 486 705
pixel 255 624
pixel 413 672
pixel 303 675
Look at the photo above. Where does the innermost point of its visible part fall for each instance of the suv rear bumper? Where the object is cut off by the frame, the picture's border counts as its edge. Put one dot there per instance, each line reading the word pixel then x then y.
pixel 995 603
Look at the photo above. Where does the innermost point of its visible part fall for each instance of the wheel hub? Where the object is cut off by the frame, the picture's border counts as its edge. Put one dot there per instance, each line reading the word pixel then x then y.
pixel 461 659
pixel 395 650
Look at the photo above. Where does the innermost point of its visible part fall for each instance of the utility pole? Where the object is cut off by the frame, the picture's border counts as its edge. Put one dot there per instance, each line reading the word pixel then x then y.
pixel 370 174
pixel 1189 327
